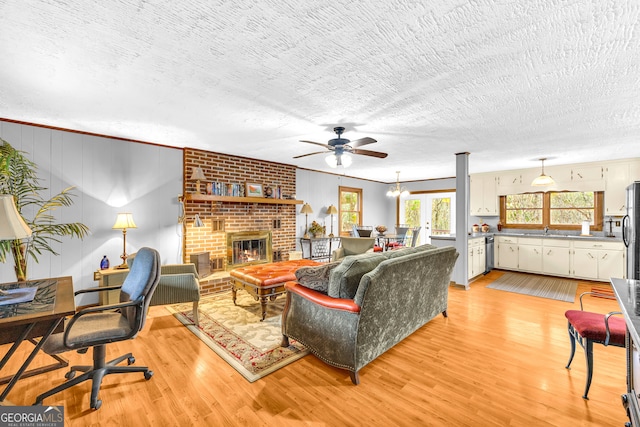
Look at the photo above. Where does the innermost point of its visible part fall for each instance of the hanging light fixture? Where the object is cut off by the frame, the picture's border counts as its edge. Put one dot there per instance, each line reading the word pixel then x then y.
pixel 542 180
pixel 397 191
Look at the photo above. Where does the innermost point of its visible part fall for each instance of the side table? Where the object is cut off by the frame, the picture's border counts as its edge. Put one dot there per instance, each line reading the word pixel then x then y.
pixel 319 248
pixel 110 277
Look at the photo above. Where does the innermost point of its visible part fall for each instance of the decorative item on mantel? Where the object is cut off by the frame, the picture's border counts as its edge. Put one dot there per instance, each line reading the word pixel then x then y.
pixel 306 210
pixel 198 175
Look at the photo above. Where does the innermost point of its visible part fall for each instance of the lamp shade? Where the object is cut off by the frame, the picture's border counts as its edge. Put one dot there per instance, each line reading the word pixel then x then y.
pixel 12 226
pixel 542 180
pixel 331 210
pixel 124 221
pixel 198 174
pixel 306 209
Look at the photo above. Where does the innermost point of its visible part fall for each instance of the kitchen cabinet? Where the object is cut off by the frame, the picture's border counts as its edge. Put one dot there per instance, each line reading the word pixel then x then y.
pixel 476 263
pixel 483 198
pixel 598 260
pixel 530 255
pixel 618 177
pixel 507 250
pixel 556 257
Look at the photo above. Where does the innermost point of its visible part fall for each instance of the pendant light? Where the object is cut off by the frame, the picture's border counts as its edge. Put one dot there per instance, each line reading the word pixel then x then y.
pixel 397 191
pixel 542 180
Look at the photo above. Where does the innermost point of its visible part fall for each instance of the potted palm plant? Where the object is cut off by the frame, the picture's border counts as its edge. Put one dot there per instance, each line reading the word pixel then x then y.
pixel 19 178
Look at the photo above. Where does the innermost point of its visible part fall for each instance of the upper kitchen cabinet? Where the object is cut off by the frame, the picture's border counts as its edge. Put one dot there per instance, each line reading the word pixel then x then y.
pixel 587 177
pixel 483 197
pixel 618 176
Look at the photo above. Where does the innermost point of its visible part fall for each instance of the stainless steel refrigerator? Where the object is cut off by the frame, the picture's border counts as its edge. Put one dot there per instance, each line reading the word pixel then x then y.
pixel 631 230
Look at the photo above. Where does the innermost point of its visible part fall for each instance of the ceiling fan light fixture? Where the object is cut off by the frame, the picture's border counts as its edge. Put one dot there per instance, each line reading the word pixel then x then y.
pixel 542 180
pixel 334 160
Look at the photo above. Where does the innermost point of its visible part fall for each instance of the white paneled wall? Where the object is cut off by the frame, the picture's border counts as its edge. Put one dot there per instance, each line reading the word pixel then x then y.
pixel 110 176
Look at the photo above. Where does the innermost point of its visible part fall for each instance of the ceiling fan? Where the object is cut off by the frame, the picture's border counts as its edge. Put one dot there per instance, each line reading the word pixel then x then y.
pixel 342 147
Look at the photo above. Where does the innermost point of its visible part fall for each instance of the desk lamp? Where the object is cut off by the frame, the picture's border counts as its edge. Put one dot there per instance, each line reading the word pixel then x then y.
pixel 331 210
pixel 306 210
pixel 124 221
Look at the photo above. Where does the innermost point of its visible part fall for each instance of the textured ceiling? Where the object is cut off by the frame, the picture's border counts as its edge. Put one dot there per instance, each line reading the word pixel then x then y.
pixel 506 81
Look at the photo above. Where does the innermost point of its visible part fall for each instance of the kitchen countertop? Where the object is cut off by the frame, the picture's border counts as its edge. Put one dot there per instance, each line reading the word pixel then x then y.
pixel 553 235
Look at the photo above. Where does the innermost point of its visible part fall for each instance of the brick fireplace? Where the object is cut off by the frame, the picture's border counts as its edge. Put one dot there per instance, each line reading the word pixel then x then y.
pixel 223 217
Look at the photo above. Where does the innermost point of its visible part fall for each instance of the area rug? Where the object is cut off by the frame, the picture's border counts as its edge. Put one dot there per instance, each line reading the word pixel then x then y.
pixel 236 333
pixel 537 286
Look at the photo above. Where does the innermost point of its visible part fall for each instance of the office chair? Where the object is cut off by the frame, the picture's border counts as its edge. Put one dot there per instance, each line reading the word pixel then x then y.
pixel 97 326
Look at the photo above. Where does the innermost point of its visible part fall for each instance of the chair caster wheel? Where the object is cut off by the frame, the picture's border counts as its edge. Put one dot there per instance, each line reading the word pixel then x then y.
pixel 131 360
pixel 96 405
pixel 148 375
pixel 69 375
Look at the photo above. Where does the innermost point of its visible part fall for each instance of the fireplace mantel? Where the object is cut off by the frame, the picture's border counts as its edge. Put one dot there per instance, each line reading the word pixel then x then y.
pixel 209 198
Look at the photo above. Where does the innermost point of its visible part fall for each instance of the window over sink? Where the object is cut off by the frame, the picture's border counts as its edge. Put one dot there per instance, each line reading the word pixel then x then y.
pixel 559 210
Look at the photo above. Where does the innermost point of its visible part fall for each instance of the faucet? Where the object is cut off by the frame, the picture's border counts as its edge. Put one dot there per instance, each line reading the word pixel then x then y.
pixel 546 229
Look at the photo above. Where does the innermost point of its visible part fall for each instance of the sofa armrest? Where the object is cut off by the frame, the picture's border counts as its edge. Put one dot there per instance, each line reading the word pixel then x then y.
pixel 337 255
pixel 322 299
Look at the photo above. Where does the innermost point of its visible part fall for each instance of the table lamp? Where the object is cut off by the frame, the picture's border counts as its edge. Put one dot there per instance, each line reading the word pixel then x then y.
pixel 306 210
pixel 12 226
pixel 124 221
pixel 331 210
pixel 198 174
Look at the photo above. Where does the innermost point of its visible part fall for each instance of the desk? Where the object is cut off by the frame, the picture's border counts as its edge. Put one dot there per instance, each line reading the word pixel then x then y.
pixel 319 248
pixel 38 318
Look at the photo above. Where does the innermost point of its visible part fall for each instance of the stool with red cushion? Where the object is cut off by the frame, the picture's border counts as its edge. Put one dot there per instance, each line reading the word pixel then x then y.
pixel 587 328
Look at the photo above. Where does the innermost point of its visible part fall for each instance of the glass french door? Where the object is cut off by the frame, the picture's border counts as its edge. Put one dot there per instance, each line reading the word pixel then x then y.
pixel 434 212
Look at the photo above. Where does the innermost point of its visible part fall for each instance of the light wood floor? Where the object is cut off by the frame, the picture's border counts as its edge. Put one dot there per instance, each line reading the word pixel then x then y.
pixel 498 360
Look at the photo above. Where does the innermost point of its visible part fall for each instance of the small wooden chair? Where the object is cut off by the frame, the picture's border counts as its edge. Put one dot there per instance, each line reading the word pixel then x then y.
pixel 587 328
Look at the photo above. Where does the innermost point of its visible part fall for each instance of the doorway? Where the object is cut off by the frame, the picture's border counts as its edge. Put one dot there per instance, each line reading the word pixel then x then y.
pixel 435 212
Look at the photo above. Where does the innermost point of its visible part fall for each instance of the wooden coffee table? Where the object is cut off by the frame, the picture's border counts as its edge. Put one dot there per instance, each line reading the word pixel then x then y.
pixel 266 281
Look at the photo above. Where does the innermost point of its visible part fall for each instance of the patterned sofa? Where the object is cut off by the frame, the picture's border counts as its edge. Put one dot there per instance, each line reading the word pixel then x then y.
pixel 350 312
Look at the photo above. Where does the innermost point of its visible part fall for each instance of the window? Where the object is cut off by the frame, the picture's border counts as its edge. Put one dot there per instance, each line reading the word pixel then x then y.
pixel 559 210
pixel 350 212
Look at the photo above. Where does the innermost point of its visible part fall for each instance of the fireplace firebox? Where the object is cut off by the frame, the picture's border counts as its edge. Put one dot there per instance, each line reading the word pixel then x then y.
pixel 248 248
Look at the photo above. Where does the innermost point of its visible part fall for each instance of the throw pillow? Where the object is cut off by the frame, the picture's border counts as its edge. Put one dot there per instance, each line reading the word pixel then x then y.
pixel 345 278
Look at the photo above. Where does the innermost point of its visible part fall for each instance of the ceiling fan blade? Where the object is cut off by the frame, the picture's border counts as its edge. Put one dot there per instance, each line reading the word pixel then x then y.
pixel 377 154
pixel 362 141
pixel 310 154
pixel 316 143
